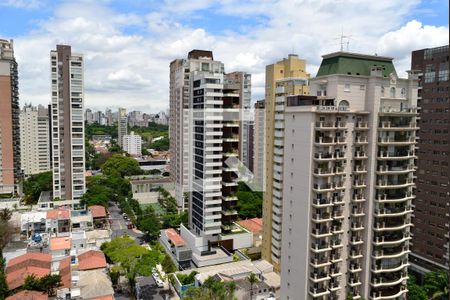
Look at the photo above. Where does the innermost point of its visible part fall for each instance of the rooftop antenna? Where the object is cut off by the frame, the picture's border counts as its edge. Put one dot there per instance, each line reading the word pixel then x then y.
pixel 343 38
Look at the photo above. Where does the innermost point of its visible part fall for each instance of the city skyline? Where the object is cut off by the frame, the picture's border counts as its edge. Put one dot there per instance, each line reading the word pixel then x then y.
pixel 128 47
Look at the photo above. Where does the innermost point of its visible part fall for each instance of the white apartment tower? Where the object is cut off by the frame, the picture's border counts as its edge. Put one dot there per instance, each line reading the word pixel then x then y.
pixel 348 181
pixel 34 140
pixel 67 117
pixel 132 144
pixel 122 125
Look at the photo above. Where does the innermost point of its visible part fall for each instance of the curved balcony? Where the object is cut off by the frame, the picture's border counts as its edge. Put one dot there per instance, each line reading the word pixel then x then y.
pixel 395 267
pixel 339 185
pixel 390 252
pixel 338 214
pixel 393 212
pixel 338 200
pixel 335 271
pixel 397 141
pixel 391 184
pixel 391 226
pixel 396 155
pixel 336 244
pixel 383 198
pixel 334 286
pixel 386 281
pixel 389 294
pixel 337 229
pixel 391 239
pixel 395 170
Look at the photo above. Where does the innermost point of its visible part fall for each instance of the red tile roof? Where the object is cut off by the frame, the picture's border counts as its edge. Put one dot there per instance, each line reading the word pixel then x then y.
pixel 20 267
pixel 60 243
pixel 65 272
pixel 254 225
pixel 108 297
pixel 174 237
pixel 91 259
pixel 28 295
pixel 59 214
pixel 97 211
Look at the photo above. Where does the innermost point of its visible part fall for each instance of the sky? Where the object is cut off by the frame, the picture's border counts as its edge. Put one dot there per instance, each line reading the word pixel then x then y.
pixel 129 44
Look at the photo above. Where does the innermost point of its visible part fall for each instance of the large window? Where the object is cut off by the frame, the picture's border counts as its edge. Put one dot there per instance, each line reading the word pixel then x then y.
pixel 443 71
pixel 430 73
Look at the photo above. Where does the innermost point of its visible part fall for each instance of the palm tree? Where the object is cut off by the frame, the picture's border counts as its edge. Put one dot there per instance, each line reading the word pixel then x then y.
pixel 230 288
pixel 437 285
pixel 252 279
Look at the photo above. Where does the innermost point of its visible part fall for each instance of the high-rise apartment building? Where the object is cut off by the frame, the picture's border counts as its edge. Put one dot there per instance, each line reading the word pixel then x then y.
pixel 10 169
pixel 122 125
pixel 430 250
pixel 34 139
pixel 132 144
pixel 67 123
pixel 286 77
pixel 348 181
pixel 109 117
pixel 259 144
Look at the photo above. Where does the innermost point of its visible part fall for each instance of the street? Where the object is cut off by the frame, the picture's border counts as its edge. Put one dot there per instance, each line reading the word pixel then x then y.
pixel 118 226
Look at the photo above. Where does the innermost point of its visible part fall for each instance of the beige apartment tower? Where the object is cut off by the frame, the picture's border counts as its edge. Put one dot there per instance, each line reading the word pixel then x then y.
pixel 122 125
pixel 349 181
pixel 10 169
pixel 67 113
pixel 286 77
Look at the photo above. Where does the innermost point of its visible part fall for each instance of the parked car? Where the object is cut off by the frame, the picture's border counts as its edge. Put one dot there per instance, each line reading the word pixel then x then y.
pixel 156 276
pixel 154 270
pixel 159 283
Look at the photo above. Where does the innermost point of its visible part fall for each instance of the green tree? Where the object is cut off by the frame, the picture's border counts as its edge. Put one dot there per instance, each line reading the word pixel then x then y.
pixel 5 214
pixel 121 165
pixel 149 223
pixel 415 292
pixel 436 285
pixel 252 279
pixel 49 283
pixel 35 184
pixel 167 265
pixel 161 145
pixel 3 285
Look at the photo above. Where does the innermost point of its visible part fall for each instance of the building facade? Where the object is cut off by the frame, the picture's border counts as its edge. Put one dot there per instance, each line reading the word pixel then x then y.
pixel 34 140
pixel 67 123
pixel 132 144
pixel 259 145
pixel 348 181
pixel 286 77
pixel 122 126
pixel 10 169
pixel 431 220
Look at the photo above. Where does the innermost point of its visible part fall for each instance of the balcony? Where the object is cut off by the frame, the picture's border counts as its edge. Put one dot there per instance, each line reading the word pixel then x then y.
pixel 396 155
pixel 319 277
pixel 320 188
pixel 402 111
pixel 324 202
pixel 321 233
pixel 340 140
pixel 397 141
pixel 318 292
pixel 396 170
pixel 386 253
pixel 356 240
pixel 340 125
pixel 356 226
pixel 337 230
pixel 386 281
pixel 335 271
pixel 320 247
pixel 396 198
pixel 339 185
pixel 357 198
pixel 391 239
pixel 355 268
pixel 361 125
pixel 339 170
pixel 394 184
pixel 325 125
pixel 323 217
pixel 393 212
pixel 391 226
pixel 360 170
pixel 393 293
pixel 361 140
pixel 338 200
pixel 392 267
pixel 229 212
pixel 360 155
pixel 398 126
pixel 337 243
pixel 357 212
pixel 324 141
pixel 338 214
pixel 323 156
pixel 359 184
pixel 354 281
pixel 320 262
pixel 323 172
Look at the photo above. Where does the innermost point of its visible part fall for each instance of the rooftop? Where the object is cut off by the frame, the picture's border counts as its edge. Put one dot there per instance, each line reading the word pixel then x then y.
pixel 65 271
pixel 58 214
pixel 60 243
pixel 20 267
pixel 95 284
pixel 174 237
pixel 347 63
pixel 254 225
pixel 97 211
pixel 91 259
pixel 28 295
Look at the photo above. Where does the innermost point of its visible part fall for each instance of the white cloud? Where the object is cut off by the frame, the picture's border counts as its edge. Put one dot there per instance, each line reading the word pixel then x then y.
pixel 132 69
pixel 27 4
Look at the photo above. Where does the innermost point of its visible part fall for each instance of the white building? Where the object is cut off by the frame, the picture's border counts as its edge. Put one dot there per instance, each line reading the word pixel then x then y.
pixel 259 142
pixel 67 123
pixel 122 126
pixel 132 144
pixel 348 181
pixel 34 140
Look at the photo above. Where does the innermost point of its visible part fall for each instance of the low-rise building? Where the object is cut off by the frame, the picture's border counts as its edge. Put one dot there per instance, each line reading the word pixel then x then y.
pixel 95 238
pixel 60 247
pixel 28 295
pixel 37 264
pixel 95 284
pixel 99 215
pixel 58 221
pixel 177 246
pixel 33 222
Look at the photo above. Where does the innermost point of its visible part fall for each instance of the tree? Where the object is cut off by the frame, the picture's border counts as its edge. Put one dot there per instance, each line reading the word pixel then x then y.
pixel 252 279
pixel 49 283
pixel 5 214
pixel 35 184
pixel 415 292
pixel 168 265
pixel 3 285
pixel 121 165
pixel 6 233
pixel 436 285
pixel 149 223
pixel 161 144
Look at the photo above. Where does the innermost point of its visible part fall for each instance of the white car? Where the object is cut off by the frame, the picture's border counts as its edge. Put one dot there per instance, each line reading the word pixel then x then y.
pixel 159 283
pixel 154 270
pixel 156 276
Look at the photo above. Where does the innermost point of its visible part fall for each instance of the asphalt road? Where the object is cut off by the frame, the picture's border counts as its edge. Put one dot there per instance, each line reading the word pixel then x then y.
pixel 118 226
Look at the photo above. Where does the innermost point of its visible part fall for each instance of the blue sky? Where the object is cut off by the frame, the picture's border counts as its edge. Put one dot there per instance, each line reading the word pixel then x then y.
pixel 128 45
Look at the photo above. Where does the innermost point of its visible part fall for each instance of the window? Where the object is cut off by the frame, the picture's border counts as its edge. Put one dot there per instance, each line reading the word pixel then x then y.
pixel 392 92
pixel 362 87
pixel 347 87
pixel 430 73
pixel 443 71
